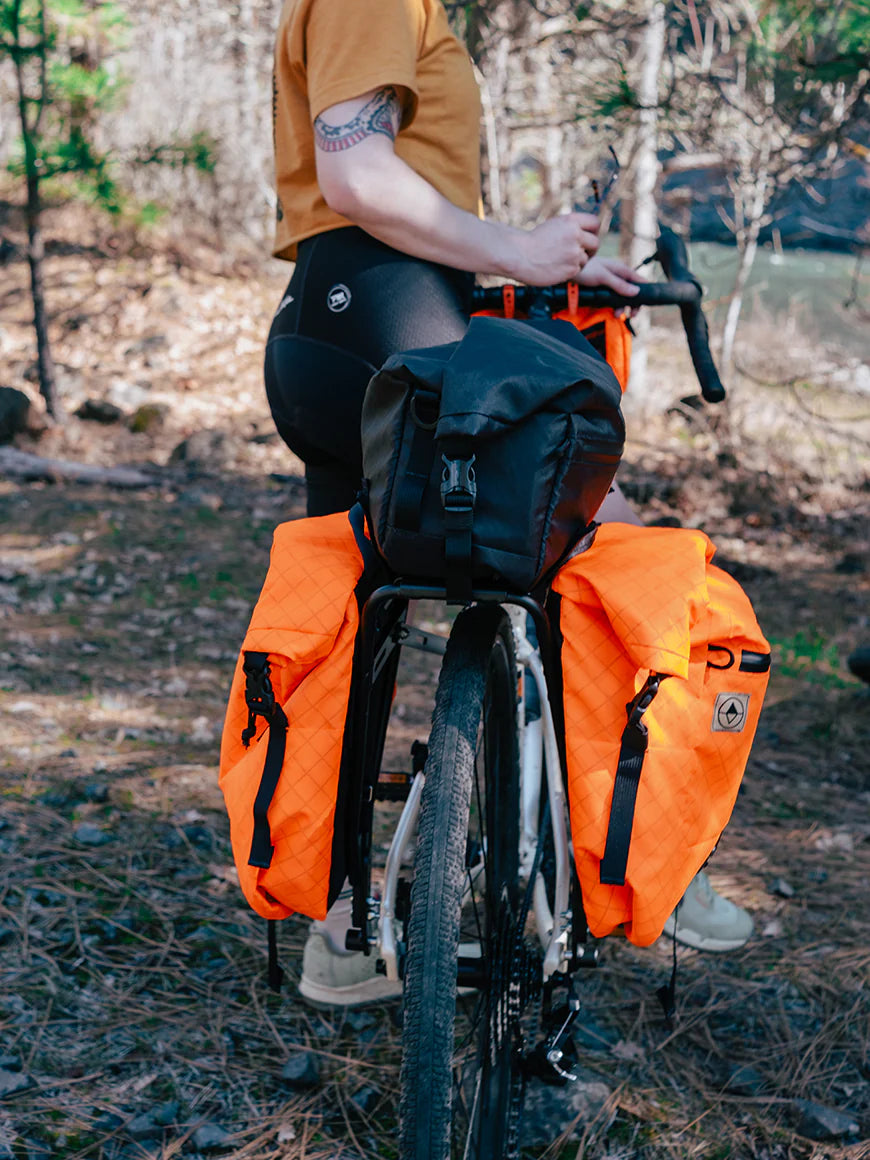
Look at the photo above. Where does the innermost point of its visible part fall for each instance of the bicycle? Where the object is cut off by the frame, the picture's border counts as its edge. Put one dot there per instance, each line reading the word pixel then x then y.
pixel 489 996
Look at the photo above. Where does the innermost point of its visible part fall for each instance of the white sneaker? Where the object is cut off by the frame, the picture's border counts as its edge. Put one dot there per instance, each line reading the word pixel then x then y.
pixel 707 921
pixel 332 978
pixel 342 979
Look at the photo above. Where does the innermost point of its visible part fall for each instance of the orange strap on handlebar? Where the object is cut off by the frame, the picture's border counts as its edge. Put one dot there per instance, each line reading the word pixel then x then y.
pixel 509 298
pixel 573 297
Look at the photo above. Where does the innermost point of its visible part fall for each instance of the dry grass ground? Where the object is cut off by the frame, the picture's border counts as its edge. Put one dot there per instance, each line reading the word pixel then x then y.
pixel 133 1005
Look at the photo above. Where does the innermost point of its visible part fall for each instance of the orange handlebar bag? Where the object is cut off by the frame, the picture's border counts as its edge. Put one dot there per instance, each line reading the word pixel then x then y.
pixel 664 672
pixel 611 336
pixel 284 728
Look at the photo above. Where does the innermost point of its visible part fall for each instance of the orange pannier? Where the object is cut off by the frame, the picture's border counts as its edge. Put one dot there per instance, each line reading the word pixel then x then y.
pixel 664 672
pixel 284 729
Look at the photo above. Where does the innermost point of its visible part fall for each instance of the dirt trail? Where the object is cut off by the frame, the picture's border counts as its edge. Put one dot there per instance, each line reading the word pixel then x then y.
pixel 133 1009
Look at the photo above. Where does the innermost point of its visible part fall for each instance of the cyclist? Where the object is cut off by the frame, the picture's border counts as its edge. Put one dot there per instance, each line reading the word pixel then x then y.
pixel 376 124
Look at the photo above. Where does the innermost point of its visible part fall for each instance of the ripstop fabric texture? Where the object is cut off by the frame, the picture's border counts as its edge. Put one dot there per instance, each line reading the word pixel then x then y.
pixel 644 601
pixel 306 620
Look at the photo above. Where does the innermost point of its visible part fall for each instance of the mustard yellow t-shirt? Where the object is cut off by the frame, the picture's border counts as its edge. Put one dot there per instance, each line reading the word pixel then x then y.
pixel 334 50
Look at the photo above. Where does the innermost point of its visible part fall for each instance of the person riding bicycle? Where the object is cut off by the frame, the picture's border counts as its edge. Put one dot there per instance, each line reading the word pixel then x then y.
pixel 376 128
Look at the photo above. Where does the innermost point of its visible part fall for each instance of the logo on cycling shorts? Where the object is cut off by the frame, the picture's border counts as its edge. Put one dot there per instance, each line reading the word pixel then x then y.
pixel 338 298
pixel 729 712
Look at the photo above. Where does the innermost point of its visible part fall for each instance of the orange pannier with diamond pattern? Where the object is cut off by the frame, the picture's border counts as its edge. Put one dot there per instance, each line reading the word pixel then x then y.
pixel 284 728
pixel 664 671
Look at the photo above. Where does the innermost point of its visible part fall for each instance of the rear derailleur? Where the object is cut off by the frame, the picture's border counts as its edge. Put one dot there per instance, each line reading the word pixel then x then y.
pixel 554 1060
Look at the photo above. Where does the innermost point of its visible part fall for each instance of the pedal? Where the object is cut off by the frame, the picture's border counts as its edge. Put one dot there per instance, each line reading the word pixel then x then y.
pixel 393 786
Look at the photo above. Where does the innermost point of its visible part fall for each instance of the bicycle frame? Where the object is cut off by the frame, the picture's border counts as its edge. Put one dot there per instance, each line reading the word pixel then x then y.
pixel 383 632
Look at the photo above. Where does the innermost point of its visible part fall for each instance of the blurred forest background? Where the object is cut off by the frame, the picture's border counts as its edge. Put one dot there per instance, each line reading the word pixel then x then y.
pixel 742 124
pixel 141 479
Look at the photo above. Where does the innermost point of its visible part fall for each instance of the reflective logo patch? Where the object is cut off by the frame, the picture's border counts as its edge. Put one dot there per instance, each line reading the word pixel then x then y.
pixel 338 298
pixel 730 712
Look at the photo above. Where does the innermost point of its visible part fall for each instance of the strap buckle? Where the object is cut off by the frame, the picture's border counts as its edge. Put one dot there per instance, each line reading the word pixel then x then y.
pixel 643 700
pixel 458 484
pixel 259 694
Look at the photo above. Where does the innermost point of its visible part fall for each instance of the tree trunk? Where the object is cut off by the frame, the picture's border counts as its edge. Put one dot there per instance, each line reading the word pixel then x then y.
pixel 35 255
pixel 641 203
pixel 744 269
pixel 35 246
pixel 753 192
pixel 492 166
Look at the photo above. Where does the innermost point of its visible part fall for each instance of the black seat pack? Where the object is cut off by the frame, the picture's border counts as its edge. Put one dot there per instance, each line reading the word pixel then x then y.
pixel 485 459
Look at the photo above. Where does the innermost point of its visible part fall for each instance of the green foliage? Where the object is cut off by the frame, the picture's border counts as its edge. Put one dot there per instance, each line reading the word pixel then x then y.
pixel 68 79
pixel 805 48
pixel 810 656
pixel 616 99
pixel 198 153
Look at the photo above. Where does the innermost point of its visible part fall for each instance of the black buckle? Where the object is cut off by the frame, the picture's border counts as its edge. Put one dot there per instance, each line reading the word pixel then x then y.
pixel 458 484
pixel 259 694
pixel 634 726
pixel 643 700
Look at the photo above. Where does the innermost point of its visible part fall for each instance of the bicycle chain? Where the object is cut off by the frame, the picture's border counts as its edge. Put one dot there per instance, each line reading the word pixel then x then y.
pixel 515 982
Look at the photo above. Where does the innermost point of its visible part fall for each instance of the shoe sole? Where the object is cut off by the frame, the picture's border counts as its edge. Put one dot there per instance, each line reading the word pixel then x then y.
pixel 700 942
pixel 378 989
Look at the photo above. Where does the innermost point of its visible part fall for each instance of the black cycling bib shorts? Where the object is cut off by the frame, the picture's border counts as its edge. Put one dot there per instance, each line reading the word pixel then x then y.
pixel 351 303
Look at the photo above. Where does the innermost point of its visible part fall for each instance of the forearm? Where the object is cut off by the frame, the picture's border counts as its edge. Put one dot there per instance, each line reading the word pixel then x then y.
pixel 387 199
pixel 363 179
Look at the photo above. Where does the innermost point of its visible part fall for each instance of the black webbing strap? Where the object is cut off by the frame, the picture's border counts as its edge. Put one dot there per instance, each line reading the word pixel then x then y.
pixel 275 973
pixel 631 754
pixel 261 702
pixel 458 524
pixel 458 493
pixel 411 484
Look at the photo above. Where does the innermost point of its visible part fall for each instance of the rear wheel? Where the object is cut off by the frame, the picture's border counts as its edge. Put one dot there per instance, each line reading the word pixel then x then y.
pixel 462 1041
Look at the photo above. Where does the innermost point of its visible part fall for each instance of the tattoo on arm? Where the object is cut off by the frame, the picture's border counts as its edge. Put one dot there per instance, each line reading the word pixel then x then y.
pixel 382 114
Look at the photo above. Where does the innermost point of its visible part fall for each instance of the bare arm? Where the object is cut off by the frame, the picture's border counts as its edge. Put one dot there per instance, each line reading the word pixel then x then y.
pixel 363 179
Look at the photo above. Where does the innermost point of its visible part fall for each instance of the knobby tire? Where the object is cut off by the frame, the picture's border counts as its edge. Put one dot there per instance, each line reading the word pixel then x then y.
pixel 460 1085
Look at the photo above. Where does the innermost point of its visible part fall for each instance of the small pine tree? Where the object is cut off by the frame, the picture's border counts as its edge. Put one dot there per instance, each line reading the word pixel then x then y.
pixel 62 53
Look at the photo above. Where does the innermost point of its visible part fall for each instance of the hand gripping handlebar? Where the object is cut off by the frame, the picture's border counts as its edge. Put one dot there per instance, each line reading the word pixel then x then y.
pixel 682 289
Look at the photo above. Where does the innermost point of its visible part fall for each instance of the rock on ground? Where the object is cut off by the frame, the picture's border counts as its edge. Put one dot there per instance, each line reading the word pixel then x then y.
pixel 550 1111
pixel 12 1082
pixel 14 409
pixel 301 1070
pixel 210 1137
pixel 821 1123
